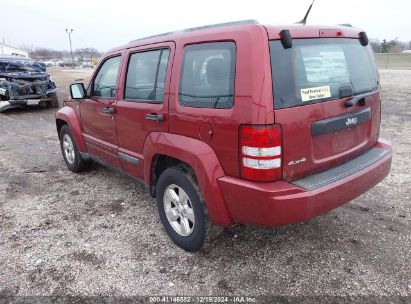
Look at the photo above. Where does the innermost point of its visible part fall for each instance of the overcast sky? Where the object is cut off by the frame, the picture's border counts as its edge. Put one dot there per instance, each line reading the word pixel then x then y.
pixel 106 24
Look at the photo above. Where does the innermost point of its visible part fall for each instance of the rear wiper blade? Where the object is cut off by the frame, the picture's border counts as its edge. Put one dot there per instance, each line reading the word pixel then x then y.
pixel 359 98
pixel 346 91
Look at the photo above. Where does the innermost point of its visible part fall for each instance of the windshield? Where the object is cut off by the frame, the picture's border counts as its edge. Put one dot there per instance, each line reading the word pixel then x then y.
pixel 317 70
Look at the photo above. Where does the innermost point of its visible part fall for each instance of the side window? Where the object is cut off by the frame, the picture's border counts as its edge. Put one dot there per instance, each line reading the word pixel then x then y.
pixel 106 80
pixel 146 76
pixel 207 75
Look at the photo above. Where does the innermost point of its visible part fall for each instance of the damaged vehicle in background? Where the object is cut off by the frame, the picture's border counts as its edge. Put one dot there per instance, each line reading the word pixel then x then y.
pixel 24 83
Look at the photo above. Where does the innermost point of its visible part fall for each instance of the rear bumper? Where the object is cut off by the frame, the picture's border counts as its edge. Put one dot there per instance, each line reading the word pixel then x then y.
pixel 282 203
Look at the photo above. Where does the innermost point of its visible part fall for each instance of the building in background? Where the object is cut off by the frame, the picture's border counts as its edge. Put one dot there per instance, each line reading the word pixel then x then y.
pixel 11 50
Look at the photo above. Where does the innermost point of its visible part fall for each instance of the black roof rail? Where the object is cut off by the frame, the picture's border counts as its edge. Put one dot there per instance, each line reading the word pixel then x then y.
pixel 345 24
pixel 199 28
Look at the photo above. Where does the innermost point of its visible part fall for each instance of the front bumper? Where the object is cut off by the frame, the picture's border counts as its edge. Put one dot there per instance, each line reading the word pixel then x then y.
pixel 23 103
pixel 282 203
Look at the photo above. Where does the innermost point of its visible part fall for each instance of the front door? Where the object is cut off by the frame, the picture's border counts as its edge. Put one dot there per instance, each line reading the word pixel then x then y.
pixel 98 114
pixel 142 107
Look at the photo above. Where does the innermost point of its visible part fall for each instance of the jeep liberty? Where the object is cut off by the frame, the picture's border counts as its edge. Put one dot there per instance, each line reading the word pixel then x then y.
pixel 234 123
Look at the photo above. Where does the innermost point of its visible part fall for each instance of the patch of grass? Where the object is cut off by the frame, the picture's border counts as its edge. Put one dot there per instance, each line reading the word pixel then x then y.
pixel 393 61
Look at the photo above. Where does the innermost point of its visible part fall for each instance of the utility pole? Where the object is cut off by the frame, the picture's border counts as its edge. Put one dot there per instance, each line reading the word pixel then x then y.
pixel 69 32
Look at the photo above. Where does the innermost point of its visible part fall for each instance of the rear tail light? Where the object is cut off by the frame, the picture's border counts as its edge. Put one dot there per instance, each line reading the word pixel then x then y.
pixel 260 152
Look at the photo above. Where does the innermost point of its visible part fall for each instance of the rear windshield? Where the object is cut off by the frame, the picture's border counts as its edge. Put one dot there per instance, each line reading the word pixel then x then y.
pixel 317 70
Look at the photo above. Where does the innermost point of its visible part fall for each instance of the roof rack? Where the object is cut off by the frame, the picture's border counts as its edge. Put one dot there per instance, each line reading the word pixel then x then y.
pixel 345 24
pixel 199 28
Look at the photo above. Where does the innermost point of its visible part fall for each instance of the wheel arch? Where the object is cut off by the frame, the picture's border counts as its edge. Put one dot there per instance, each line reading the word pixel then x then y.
pixel 59 124
pixel 162 150
pixel 66 115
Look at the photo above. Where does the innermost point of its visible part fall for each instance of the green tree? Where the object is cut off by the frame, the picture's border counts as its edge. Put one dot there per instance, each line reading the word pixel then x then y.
pixel 375 45
pixel 386 46
pixel 86 53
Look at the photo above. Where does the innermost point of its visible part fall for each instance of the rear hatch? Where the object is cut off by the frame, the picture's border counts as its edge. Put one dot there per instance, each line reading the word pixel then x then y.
pixel 327 101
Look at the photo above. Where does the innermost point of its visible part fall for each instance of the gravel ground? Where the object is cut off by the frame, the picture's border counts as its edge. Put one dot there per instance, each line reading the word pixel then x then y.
pixel 98 233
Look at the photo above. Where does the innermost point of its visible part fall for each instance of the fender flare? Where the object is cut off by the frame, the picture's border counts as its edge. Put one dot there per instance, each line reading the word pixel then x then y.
pixel 202 160
pixel 68 115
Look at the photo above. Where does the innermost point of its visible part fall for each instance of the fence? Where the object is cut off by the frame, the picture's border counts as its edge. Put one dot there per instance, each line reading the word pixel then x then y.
pixel 400 61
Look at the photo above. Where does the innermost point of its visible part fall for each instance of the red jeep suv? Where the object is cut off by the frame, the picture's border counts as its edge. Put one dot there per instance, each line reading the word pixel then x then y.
pixel 234 123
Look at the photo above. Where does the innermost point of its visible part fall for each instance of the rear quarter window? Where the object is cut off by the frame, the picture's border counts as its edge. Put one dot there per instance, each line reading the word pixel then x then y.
pixel 207 75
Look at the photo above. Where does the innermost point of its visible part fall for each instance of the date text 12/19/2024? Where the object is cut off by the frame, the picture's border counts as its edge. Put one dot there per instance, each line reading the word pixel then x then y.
pixel 202 299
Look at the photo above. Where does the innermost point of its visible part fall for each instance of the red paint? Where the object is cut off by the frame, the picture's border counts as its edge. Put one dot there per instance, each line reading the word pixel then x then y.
pixel 201 158
pixel 281 203
pixel 132 126
pixel 70 115
pixel 327 150
pixel 205 132
pixel 208 139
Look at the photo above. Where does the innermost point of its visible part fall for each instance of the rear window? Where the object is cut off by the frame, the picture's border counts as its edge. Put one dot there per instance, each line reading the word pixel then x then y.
pixel 317 70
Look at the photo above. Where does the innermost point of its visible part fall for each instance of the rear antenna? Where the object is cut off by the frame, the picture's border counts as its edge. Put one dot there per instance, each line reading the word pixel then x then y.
pixel 304 20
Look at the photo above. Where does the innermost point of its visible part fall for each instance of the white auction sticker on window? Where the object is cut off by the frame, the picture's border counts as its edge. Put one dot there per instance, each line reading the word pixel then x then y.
pixel 315 93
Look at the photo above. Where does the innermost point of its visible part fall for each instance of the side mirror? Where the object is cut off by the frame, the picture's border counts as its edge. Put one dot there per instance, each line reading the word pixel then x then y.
pixel 77 91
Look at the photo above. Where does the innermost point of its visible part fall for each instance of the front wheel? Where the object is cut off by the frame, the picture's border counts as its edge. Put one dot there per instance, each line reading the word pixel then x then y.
pixel 182 210
pixel 71 154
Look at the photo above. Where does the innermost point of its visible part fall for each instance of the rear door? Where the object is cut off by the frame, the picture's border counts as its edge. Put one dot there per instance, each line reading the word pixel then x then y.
pixel 313 84
pixel 143 104
pixel 98 113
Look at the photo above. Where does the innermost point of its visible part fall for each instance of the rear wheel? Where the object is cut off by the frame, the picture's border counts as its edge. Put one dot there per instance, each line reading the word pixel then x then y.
pixel 182 210
pixel 71 154
pixel 53 102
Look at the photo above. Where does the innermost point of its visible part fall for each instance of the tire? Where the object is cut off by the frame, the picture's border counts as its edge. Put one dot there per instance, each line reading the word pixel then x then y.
pixel 202 230
pixel 71 154
pixel 54 102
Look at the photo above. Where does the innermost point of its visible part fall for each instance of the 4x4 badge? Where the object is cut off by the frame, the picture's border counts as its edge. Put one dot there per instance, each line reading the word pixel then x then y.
pixel 296 162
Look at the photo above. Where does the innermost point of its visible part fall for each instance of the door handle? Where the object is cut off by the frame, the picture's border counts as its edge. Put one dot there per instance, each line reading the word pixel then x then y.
pixel 108 110
pixel 360 99
pixel 155 117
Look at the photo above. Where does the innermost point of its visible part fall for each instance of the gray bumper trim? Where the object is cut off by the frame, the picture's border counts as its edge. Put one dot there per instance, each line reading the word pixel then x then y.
pixel 348 168
pixel 5 105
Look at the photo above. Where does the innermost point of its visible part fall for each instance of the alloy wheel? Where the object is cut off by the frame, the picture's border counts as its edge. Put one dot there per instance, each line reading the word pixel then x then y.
pixel 179 210
pixel 68 148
